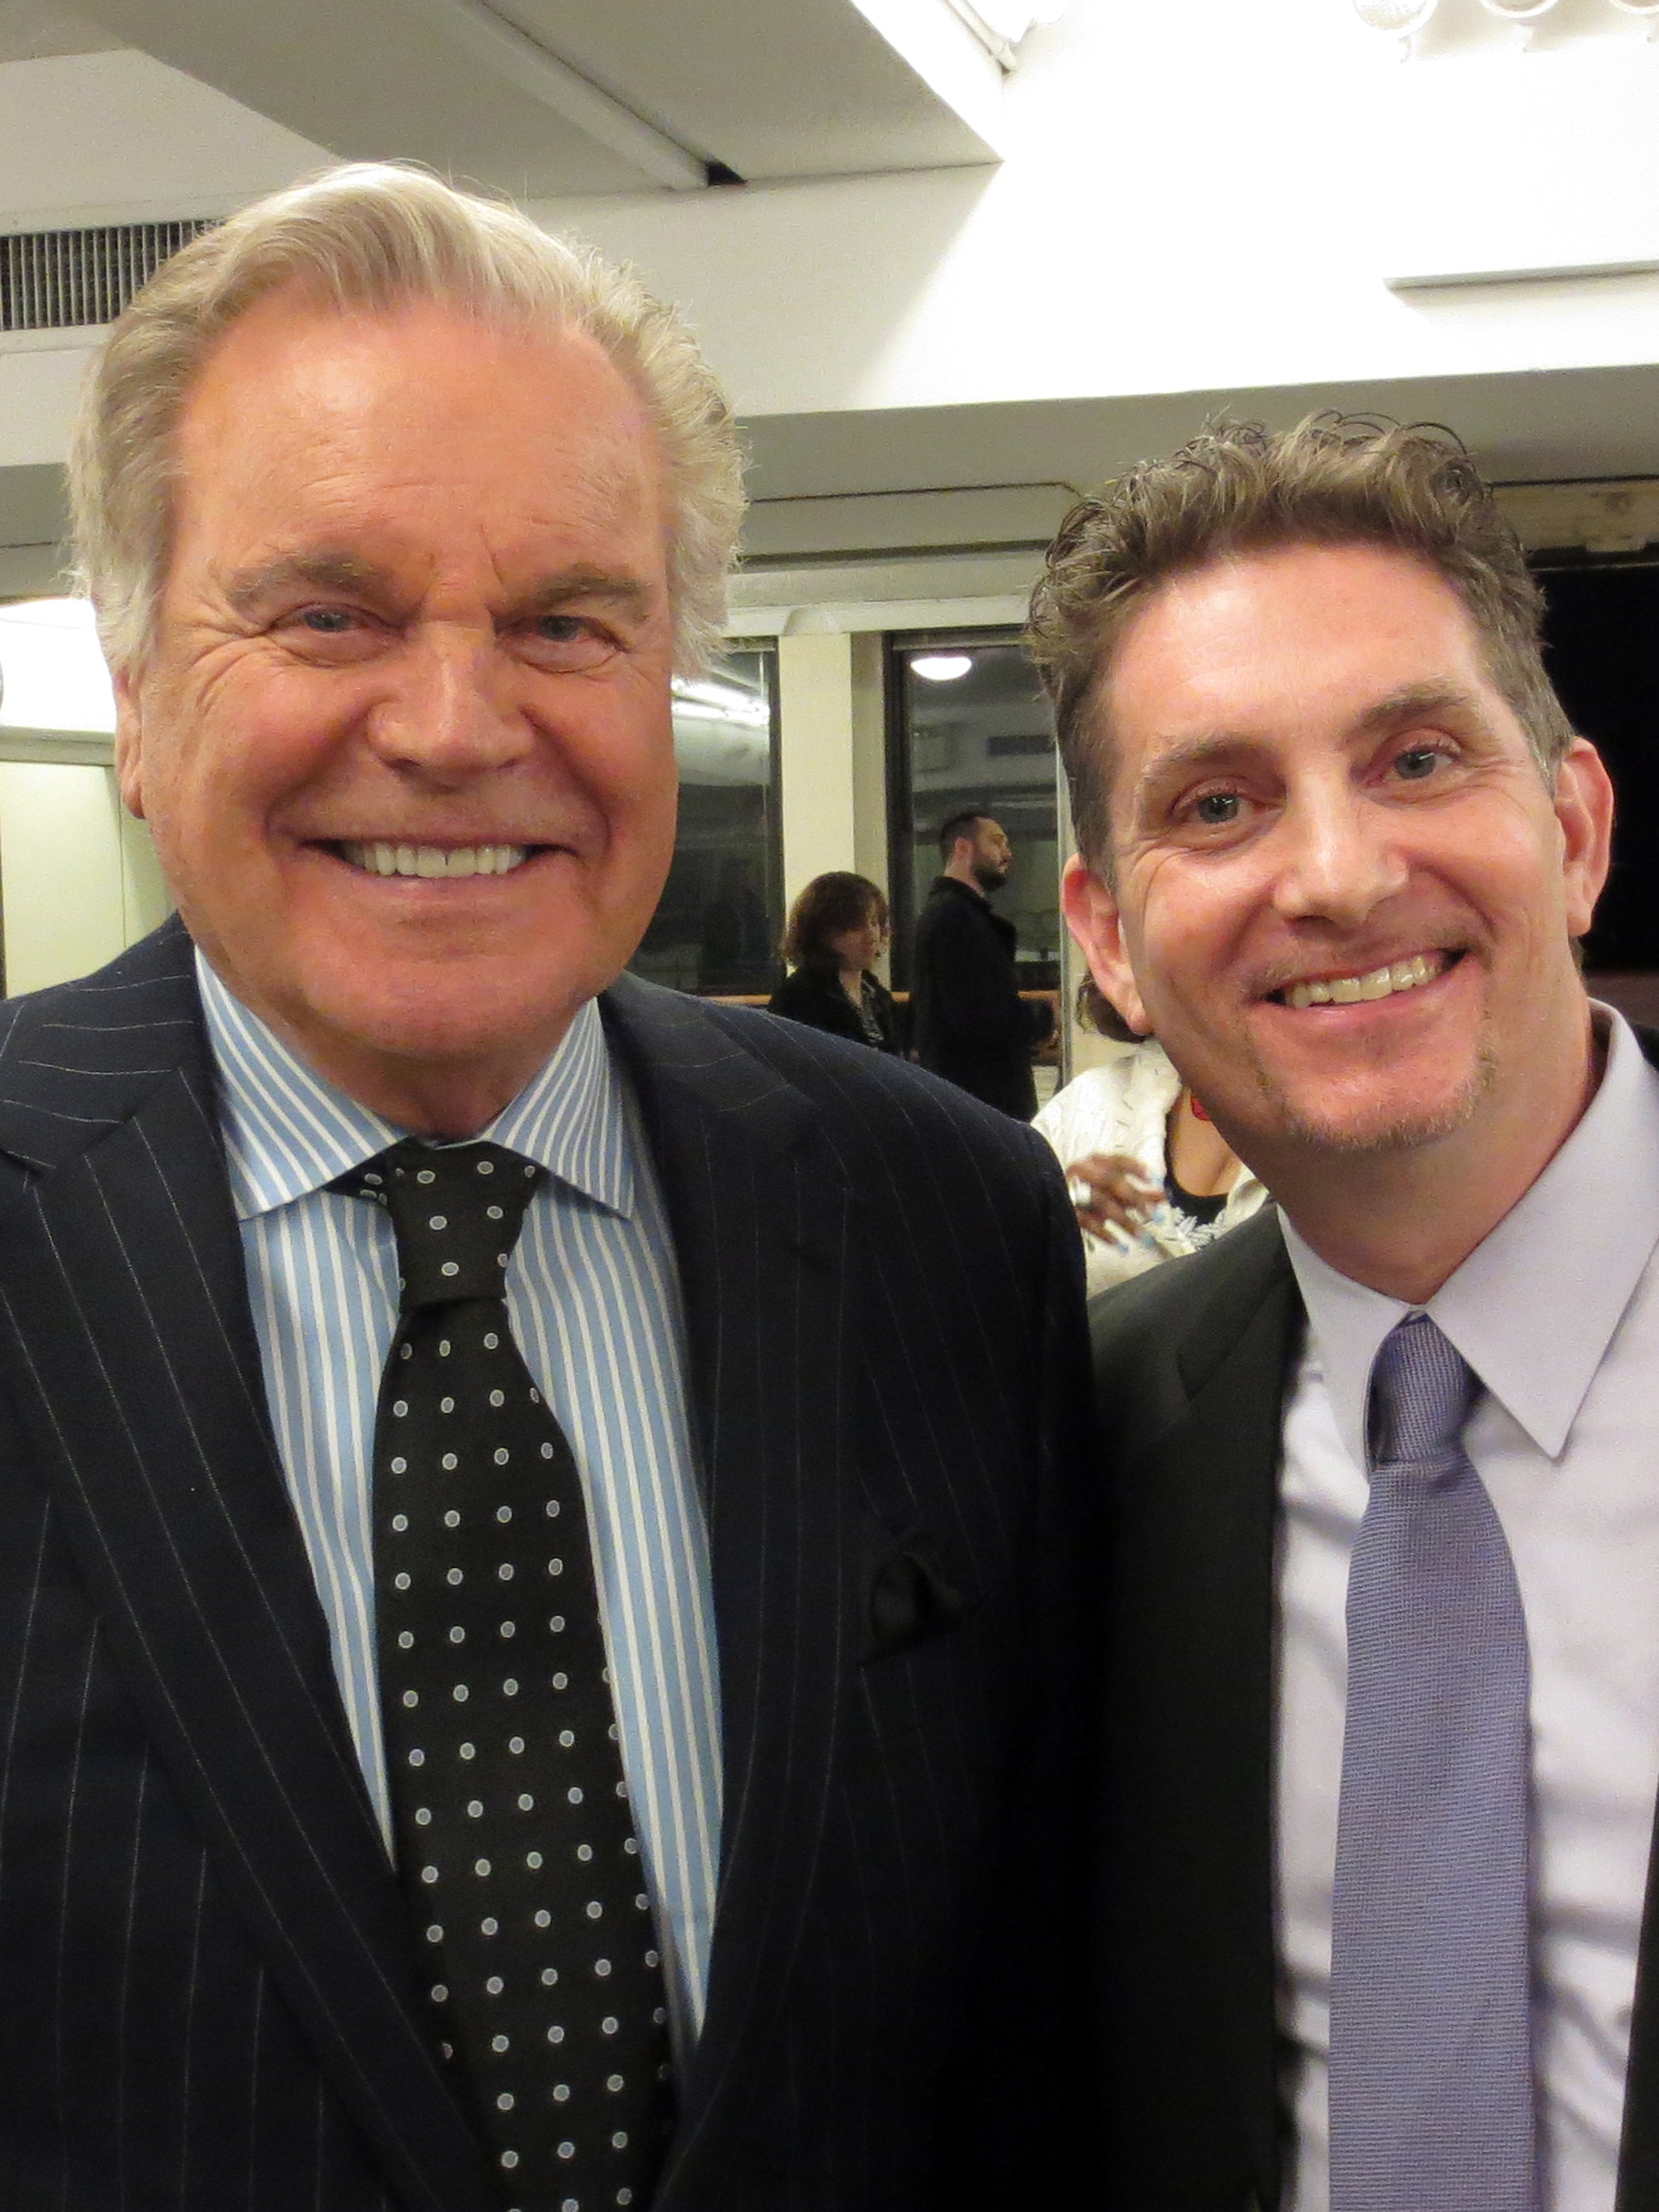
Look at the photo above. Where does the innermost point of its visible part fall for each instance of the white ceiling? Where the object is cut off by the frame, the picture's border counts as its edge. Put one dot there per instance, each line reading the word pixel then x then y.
pixel 551 99
pixel 33 30
pixel 1524 427
pixel 188 106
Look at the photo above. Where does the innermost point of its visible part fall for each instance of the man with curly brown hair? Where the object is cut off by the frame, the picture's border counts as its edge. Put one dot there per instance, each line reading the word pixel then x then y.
pixel 1384 1710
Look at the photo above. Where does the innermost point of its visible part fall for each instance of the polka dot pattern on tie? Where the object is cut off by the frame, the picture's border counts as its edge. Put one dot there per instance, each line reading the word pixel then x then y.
pixel 510 1808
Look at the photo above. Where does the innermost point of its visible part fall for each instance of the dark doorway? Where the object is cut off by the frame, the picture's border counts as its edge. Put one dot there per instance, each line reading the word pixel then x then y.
pixel 1601 641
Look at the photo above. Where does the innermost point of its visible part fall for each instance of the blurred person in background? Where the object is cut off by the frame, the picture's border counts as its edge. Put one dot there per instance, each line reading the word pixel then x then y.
pixel 837 932
pixel 971 1025
pixel 1152 1175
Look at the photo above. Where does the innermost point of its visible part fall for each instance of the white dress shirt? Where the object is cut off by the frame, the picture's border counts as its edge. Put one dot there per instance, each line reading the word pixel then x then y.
pixel 1557 1313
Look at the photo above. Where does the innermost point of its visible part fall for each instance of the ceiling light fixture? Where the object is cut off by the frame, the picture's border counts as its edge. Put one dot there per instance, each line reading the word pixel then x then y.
pixel 1523 13
pixel 999 25
pixel 1398 18
pixel 941 667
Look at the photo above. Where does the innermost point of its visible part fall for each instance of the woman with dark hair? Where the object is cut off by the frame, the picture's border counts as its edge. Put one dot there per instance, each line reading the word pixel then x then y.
pixel 837 928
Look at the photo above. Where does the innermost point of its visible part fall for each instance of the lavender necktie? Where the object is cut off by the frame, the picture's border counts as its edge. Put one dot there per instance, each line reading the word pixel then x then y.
pixel 1431 2085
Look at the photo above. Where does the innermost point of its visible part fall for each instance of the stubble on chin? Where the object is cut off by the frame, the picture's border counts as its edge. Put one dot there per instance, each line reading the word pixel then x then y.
pixel 1351 1133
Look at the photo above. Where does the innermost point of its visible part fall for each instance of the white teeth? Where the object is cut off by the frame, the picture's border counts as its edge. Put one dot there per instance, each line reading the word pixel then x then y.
pixel 1380 983
pixel 380 858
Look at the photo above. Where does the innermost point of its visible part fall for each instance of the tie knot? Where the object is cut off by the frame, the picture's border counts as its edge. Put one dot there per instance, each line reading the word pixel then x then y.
pixel 457 1210
pixel 1421 1390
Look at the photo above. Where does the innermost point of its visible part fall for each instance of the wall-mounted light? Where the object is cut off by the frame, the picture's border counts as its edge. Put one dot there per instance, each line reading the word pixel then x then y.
pixel 1399 19
pixel 999 25
pixel 941 667
pixel 1523 13
pixel 1645 11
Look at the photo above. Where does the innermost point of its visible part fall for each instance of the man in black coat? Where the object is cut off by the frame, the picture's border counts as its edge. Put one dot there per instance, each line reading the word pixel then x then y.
pixel 970 1023
pixel 374 499
pixel 1381 1716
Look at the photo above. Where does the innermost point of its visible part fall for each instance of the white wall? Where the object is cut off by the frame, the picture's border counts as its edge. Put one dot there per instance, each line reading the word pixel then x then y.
pixel 120 137
pixel 78 878
pixel 833 793
pixel 1197 195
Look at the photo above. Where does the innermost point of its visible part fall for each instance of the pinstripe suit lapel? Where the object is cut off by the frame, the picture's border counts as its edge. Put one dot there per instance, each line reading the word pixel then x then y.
pixel 132 1361
pixel 763 1231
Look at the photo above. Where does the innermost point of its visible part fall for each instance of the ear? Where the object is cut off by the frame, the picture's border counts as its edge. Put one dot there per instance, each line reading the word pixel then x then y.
pixel 129 742
pixel 1583 807
pixel 1095 920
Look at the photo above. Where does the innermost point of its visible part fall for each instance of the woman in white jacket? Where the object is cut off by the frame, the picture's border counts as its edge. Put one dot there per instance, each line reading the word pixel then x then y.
pixel 1152 1176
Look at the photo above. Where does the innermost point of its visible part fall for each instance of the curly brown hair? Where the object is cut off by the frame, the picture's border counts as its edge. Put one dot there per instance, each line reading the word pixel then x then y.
pixel 1239 487
pixel 830 904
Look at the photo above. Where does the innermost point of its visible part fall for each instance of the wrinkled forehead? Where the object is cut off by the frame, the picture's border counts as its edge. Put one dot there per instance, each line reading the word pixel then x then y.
pixel 1301 642
pixel 316 423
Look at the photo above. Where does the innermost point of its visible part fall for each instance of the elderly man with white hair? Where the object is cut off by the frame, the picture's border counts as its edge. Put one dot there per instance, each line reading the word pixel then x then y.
pixel 535 1609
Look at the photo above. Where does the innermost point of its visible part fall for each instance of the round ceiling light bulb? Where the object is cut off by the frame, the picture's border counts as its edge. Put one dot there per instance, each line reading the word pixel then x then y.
pixel 941 667
pixel 1401 17
pixel 1648 8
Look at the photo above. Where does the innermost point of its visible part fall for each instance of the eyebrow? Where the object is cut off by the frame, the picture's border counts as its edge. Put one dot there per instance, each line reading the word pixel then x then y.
pixel 582 582
pixel 323 571
pixel 349 572
pixel 1412 703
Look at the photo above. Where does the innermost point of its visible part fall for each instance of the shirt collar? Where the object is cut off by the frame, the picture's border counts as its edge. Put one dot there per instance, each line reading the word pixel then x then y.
pixel 1534 1306
pixel 289 1132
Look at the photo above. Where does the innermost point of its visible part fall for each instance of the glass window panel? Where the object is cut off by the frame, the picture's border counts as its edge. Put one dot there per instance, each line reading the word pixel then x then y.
pixel 53 675
pixel 717 925
pixel 972 728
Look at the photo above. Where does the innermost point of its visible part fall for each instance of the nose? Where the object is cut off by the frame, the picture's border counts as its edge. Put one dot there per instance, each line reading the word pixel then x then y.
pixel 448 714
pixel 1339 858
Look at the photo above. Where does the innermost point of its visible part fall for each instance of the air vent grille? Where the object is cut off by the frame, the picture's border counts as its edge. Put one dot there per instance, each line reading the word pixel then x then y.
pixel 62 280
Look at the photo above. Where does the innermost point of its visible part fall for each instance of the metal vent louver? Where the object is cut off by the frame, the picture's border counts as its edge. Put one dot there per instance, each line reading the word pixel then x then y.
pixel 61 280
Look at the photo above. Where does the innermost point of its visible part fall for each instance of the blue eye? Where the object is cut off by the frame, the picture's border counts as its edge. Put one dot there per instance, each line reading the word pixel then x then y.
pixel 562 629
pixel 330 621
pixel 1419 762
pixel 1218 808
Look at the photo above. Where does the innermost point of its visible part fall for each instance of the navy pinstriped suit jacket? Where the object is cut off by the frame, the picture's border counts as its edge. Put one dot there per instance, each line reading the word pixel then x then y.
pixel 206 1998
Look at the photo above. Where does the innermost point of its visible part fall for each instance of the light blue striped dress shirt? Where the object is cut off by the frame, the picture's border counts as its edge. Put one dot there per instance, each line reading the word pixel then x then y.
pixel 594 1299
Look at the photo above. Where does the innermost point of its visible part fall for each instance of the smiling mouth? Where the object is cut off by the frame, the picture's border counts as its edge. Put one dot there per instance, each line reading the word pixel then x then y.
pixel 379 858
pixel 1377 983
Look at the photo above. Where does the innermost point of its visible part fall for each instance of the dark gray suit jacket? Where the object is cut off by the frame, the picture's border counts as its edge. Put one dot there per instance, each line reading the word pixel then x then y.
pixel 207 1999
pixel 1192 1363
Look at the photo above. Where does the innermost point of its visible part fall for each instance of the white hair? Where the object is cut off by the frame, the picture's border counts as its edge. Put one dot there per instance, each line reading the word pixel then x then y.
pixel 375 235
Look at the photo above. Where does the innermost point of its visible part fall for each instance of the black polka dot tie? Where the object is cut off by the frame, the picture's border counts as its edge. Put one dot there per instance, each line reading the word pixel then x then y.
pixel 514 1836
